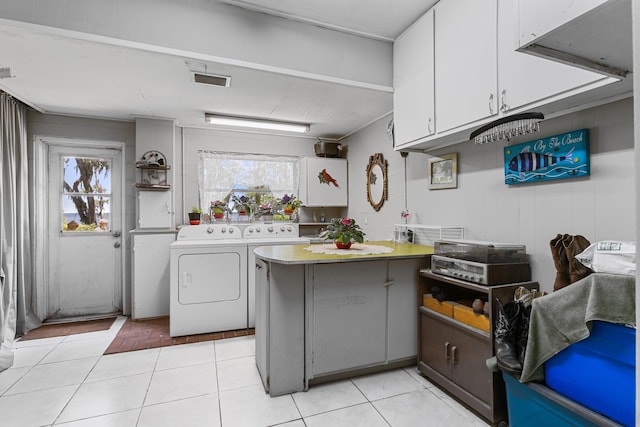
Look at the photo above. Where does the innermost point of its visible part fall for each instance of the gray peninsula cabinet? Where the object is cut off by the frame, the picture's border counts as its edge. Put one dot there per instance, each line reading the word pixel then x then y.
pixel 323 317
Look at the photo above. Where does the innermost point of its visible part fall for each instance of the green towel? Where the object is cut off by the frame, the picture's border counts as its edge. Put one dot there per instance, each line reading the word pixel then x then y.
pixel 564 317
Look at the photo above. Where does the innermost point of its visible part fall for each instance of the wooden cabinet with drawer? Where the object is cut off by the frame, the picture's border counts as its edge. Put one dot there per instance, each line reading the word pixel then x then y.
pixel 453 354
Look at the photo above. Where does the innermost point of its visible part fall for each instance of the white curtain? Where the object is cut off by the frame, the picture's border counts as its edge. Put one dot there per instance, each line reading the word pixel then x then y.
pixel 16 315
pixel 221 172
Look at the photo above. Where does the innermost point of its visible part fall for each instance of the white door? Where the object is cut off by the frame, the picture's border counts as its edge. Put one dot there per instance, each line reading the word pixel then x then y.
pixel 84 232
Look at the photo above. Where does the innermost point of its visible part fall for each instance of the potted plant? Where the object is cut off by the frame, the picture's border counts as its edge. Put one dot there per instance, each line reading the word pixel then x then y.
pixel 343 232
pixel 242 204
pixel 194 215
pixel 218 208
pixel 265 208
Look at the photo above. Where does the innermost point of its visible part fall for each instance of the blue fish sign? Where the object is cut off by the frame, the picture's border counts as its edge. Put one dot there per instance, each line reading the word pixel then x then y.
pixel 555 157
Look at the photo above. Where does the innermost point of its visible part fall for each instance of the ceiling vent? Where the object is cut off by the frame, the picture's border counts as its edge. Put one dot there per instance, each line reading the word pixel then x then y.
pixel 212 79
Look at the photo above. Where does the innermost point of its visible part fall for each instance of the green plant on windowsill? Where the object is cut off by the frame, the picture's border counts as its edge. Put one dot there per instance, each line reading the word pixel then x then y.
pixel 194 215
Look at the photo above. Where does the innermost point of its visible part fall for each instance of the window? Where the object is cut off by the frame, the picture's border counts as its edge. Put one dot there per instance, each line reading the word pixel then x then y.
pixel 222 173
pixel 85 194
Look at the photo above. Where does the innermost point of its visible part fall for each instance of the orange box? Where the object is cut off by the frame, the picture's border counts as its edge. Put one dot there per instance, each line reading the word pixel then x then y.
pixel 444 307
pixel 465 314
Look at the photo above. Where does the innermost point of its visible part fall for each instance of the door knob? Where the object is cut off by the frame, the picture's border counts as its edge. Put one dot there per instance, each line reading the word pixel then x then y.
pixel 116 234
pixel 116 245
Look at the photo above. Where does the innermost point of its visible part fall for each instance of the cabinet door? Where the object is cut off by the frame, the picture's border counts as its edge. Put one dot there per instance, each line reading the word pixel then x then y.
pixel 154 209
pixel 150 271
pixel 326 182
pixel 402 324
pixel 413 78
pixel 469 352
pixel 262 320
pixel 524 78
pixel 465 62
pixel 349 321
pixel 435 343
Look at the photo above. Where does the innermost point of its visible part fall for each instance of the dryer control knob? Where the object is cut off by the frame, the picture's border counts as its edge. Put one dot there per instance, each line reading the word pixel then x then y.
pixel 210 229
pixel 270 229
pixel 230 230
pixel 223 230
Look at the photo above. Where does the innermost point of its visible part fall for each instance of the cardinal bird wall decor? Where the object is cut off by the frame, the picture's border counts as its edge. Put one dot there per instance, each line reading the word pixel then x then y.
pixel 325 178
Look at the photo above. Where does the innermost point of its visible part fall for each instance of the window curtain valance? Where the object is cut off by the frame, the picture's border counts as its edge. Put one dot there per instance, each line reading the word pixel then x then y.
pixel 221 172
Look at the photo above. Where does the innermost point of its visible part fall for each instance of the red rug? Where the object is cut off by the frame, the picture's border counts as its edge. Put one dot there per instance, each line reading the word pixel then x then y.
pixel 152 333
pixel 72 328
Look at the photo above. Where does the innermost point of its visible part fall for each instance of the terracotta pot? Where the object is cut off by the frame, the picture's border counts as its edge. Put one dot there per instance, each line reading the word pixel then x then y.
pixel 288 210
pixel 194 221
pixel 341 245
pixel 218 215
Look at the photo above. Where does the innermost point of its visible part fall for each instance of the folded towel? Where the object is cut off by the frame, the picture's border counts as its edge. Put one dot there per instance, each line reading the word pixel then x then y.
pixel 564 317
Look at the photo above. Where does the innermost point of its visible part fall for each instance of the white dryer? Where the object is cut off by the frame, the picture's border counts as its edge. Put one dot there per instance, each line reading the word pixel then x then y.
pixel 208 286
pixel 257 235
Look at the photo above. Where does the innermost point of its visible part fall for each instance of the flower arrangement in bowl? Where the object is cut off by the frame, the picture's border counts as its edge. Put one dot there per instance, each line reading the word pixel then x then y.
pixel 343 232
pixel 290 204
pixel 218 208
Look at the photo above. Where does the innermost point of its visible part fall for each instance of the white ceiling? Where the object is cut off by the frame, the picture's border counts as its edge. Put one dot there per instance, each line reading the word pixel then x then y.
pixel 61 75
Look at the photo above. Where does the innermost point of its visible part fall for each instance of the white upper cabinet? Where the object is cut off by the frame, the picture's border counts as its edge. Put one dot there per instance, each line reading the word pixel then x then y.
pixel 538 17
pixel 466 74
pixel 477 74
pixel 324 182
pixel 413 82
pixel 525 79
pixel 592 34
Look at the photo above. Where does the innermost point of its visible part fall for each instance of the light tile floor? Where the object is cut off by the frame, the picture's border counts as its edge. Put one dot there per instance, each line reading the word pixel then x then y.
pixel 67 381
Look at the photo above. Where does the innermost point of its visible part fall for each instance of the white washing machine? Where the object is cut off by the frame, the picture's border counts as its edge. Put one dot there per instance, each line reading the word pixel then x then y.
pixel 257 235
pixel 208 286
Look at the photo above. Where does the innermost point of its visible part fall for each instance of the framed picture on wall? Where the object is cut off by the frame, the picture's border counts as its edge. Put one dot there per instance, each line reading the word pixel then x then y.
pixel 443 172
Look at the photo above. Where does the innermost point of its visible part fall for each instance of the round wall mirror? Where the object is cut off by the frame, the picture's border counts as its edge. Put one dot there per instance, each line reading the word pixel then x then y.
pixel 377 181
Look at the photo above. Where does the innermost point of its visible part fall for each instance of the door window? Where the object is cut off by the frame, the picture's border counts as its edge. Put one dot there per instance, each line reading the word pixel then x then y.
pixel 85 194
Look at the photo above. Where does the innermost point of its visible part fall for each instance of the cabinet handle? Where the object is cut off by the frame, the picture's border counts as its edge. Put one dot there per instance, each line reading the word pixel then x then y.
pixel 446 351
pixel 388 283
pixel 429 131
pixel 490 103
pixel 453 354
pixel 503 105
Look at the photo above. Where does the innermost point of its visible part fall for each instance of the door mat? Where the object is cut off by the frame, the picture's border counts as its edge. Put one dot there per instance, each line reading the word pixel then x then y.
pixel 71 328
pixel 151 333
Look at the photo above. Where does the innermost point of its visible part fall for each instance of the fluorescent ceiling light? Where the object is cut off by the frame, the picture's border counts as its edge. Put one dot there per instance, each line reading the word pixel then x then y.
pixel 248 122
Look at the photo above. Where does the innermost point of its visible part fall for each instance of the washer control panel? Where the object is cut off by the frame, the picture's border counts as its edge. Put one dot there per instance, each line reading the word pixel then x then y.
pixel 274 230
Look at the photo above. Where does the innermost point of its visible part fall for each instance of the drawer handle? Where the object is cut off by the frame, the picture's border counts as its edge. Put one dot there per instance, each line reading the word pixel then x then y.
pixel 453 354
pixel 446 351
pixel 388 283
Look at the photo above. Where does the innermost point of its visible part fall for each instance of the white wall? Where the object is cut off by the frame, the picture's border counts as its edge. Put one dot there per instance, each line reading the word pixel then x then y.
pixel 598 207
pixel 374 139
